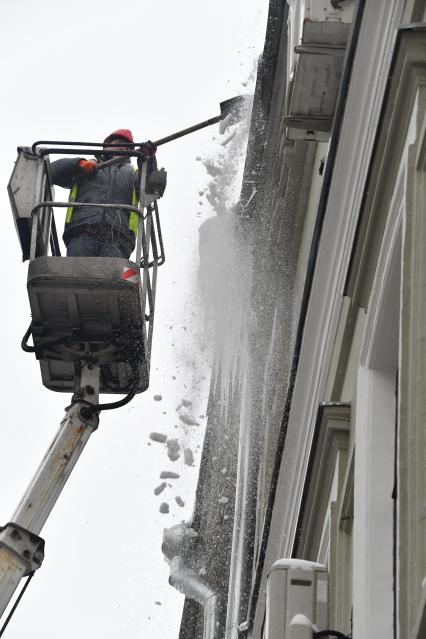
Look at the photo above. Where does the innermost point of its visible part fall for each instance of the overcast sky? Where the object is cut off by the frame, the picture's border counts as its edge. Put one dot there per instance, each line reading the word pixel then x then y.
pixel 77 71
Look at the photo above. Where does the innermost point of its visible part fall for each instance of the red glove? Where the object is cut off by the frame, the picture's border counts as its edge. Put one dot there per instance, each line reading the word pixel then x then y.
pixel 88 167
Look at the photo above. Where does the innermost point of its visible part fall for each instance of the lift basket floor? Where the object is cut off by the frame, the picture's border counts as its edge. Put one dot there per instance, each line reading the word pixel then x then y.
pixel 91 307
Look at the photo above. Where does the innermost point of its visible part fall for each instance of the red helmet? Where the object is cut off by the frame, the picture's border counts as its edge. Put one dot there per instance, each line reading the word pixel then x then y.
pixel 122 134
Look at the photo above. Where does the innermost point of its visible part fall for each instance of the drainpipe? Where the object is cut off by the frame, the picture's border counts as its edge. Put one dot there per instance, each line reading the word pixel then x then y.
pixel 178 548
pixel 239 553
pixel 191 585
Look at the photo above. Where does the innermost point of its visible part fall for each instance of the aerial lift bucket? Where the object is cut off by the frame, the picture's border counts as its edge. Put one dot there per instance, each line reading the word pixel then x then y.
pixel 85 309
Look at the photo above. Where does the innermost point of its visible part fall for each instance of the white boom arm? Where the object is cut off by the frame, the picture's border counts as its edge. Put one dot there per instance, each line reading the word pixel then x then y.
pixel 21 549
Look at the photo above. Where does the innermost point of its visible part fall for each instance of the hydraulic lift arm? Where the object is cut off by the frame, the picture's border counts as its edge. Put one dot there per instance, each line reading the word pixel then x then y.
pixel 21 548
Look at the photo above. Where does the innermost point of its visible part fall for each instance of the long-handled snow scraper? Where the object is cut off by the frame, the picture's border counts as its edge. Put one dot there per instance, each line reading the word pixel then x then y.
pixel 230 113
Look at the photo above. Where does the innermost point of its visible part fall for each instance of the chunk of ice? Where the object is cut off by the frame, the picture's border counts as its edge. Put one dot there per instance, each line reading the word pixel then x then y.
pixel 168 474
pixel 160 488
pixel 173 449
pixel 188 420
pixel 188 457
pixel 158 437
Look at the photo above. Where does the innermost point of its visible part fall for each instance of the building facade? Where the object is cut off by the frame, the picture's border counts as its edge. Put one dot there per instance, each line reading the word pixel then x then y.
pixel 318 403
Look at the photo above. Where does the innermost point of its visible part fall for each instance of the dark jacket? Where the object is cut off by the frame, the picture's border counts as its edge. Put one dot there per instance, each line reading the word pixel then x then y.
pixel 112 184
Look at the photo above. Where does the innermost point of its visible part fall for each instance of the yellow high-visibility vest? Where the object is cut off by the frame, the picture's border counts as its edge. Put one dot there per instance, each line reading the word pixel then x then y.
pixel 133 217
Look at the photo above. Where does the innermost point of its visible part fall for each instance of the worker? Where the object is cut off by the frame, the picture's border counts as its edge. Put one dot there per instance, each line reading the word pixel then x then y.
pixel 105 232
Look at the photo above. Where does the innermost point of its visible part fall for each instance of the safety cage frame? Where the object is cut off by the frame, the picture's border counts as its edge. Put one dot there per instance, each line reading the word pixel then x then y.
pixel 94 309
